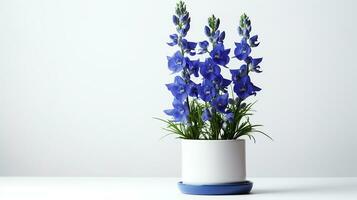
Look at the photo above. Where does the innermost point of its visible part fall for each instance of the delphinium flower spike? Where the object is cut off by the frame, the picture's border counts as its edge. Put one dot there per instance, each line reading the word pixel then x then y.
pixel 213 89
pixel 183 86
pixel 243 86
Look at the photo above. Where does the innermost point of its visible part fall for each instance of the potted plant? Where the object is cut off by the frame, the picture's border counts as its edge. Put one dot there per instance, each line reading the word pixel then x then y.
pixel 210 112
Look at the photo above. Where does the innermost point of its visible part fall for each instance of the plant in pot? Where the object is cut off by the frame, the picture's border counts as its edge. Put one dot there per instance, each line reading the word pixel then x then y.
pixel 210 112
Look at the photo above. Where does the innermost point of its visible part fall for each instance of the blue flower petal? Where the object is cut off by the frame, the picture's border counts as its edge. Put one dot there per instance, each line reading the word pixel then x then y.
pixel 206 115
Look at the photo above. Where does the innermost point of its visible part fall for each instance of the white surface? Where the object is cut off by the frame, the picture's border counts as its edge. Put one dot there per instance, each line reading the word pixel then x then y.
pixel 165 188
pixel 80 81
pixel 213 161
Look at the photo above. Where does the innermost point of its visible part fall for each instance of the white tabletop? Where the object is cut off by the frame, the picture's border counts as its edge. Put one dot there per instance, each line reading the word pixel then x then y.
pixel 15 188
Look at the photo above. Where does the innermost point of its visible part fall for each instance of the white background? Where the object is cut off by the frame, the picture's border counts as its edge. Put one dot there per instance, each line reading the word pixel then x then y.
pixel 81 80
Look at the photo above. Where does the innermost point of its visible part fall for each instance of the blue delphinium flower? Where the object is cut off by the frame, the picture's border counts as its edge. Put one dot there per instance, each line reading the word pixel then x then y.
pixel 179 88
pixel 206 115
pixel 237 74
pixel 188 47
pixel 244 88
pixel 179 112
pixel 220 102
pixel 193 89
pixel 254 64
pixel 209 69
pixel 220 55
pixel 242 50
pixel 203 47
pixel 207 91
pixel 220 82
pixel 193 67
pixel 177 62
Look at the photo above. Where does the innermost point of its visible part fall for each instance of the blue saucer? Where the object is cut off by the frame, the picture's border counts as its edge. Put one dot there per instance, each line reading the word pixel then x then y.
pixel 220 189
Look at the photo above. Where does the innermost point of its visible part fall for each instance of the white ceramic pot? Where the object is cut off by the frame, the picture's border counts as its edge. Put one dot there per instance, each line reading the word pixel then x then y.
pixel 209 162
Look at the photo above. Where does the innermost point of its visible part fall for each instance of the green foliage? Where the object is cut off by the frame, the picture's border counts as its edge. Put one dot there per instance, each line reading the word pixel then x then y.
pixel 217 128
pixel 240 125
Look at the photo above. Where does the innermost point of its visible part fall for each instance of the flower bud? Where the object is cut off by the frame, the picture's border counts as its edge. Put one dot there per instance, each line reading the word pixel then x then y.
pixel 207 31
pixel 184 17
pixel 185 29
pixel 175 20
pixel 188 20
pixel 217 23
pixel 221 36
pixel 240 31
